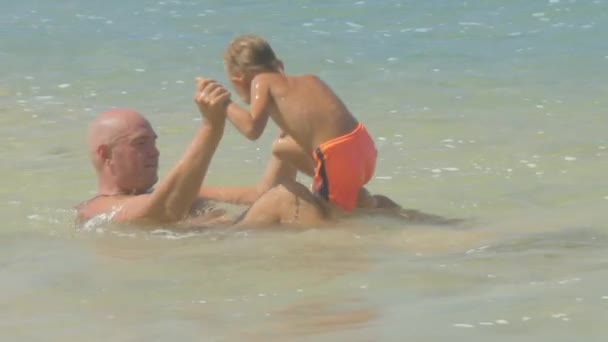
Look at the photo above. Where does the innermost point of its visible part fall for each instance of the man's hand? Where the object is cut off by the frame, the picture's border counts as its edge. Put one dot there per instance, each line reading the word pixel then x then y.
pixel 211 99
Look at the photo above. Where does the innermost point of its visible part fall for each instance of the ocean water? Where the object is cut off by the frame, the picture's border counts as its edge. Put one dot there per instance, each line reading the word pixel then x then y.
pixel 492 111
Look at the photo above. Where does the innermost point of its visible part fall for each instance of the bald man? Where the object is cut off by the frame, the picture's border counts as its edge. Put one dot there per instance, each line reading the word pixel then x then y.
pixel 122 149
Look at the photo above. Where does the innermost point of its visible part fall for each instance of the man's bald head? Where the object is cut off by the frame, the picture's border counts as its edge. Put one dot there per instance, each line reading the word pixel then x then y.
pixel 122 148
pixel 110 126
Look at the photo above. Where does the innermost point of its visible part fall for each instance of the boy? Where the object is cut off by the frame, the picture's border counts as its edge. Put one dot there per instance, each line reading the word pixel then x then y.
pixel 319 134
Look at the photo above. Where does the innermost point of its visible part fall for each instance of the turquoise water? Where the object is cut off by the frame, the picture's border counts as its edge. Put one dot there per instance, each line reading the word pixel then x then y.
pixel 489 110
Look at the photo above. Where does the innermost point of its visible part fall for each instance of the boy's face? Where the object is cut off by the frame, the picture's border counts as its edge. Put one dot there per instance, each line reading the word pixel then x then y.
pixel 240 85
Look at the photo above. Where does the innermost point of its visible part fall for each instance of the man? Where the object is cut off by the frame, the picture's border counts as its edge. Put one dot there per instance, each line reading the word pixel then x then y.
pixel 122 148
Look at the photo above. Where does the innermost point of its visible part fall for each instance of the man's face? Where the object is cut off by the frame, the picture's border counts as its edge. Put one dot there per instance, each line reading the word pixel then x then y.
pixel 134 159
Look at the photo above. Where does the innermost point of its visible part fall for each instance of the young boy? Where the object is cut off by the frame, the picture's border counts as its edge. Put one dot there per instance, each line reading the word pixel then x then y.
pixel 319 134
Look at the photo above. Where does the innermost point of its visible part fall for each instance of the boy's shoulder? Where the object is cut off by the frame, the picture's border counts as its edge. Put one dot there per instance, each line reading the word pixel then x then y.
pixel 270 78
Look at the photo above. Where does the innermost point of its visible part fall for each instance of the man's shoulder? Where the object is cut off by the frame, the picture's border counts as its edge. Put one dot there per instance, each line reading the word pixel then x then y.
pixel 98 205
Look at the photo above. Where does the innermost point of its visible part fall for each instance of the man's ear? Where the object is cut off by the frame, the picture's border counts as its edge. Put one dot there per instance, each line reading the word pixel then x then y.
pixel 104 152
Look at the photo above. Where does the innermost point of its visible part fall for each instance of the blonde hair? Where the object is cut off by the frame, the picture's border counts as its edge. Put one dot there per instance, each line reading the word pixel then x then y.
pixel 250 54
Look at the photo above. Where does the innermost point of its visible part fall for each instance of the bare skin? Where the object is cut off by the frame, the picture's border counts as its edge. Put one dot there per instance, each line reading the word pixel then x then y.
pixel 307 111
pixel 289 203
pixel 122 147
pixel 304 107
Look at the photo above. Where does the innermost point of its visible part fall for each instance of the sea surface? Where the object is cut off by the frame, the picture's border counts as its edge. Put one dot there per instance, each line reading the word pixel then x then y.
pixel 486 110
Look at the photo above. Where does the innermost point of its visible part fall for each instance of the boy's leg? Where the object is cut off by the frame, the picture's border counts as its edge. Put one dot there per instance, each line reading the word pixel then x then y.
pixel 278 171
pixel 287 149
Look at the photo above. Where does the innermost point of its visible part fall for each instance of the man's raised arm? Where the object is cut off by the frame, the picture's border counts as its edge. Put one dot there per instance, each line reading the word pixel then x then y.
pixel 174 195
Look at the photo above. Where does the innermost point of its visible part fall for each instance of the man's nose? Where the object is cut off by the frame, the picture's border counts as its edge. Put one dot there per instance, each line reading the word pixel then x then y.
pixel 154 151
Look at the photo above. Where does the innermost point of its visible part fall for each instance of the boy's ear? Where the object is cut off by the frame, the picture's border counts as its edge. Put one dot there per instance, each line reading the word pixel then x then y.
pixel 238 79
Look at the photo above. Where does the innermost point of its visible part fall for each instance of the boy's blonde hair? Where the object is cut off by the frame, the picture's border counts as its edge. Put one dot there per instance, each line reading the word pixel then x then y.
pixel 250 54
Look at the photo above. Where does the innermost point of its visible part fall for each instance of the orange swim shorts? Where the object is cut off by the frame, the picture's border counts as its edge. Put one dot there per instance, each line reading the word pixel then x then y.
pixel 344 165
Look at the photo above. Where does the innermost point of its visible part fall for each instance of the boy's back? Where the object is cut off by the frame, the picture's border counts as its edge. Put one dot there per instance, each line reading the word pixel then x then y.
pixel 307 109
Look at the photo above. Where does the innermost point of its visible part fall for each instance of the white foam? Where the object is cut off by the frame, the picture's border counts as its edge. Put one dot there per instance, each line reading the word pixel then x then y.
pixel 354 25
pixel 463 325
pixel 423 29
pixel 140 70
pixel 566 281
pixel 502 321
pixel 470 24
pixel 569 158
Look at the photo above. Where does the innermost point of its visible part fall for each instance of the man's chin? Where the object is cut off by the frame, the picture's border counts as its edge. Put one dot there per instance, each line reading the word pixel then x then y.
pixel 152 180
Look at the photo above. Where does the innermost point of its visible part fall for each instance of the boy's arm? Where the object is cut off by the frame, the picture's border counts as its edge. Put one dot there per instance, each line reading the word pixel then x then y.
pixel 252 124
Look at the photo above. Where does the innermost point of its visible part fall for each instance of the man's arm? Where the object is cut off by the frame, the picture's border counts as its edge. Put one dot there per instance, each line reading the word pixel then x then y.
pixel 174 195
pixel 234 194
pixel 252 124
pixel 277 172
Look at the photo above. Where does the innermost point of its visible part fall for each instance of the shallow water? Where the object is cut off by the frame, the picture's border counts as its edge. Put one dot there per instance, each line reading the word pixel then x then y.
pixel 486 110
